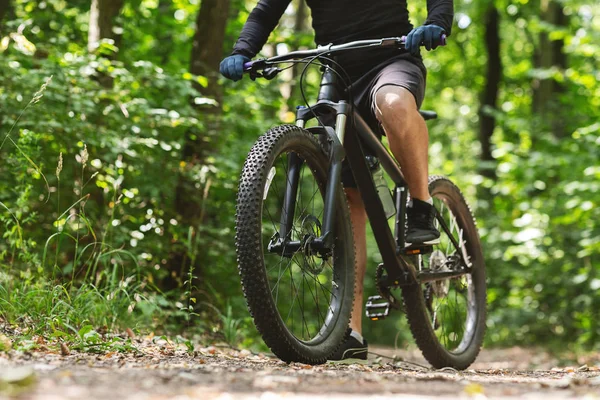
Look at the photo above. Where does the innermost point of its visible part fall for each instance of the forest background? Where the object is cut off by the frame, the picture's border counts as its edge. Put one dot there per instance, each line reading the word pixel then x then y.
pixel 120 150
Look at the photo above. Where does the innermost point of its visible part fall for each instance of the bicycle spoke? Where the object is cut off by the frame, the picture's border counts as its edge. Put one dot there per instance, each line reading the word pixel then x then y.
pixel 314 298
pixel 312 197
pixel 320 284
pixel 281 274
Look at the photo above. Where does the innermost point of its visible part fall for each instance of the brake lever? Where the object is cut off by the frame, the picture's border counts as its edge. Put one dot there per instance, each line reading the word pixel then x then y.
pixel 270 73
pixel 252 68
pixel 254 74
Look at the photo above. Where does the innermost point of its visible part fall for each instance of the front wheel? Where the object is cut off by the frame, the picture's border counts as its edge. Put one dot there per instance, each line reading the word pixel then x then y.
pixel 447 317
pixel 300 297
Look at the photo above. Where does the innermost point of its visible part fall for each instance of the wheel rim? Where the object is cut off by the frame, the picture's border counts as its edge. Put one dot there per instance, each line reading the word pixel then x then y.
pixel 451 302
pixel 302 285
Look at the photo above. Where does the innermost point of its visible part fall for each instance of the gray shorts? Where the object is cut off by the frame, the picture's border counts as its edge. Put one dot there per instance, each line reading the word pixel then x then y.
pixel 404 71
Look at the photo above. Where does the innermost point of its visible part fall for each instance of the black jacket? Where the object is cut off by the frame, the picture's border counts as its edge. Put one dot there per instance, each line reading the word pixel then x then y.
pixel 342 21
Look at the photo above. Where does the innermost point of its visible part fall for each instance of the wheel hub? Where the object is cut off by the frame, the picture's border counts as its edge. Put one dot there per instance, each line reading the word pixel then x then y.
pixel 312 262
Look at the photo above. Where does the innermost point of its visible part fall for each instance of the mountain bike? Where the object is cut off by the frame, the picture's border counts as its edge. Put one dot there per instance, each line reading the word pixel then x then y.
pixel 294 236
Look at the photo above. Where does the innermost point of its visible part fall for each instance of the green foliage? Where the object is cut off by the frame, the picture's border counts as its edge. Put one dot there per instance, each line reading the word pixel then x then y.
pixel 538 219
pixel 88 174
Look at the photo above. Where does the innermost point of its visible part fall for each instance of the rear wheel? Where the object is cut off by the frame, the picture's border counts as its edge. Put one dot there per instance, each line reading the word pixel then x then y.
pixel 447 317
pixel 300 297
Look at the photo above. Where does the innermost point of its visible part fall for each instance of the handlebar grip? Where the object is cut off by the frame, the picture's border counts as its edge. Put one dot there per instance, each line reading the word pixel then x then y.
pixel 443 38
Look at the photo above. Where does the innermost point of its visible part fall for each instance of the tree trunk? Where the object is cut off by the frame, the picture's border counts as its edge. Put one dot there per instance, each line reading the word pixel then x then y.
pixel 549 55
pixel 6 11
pixel 102 16
pixel 165 11
pixel 489 98
pixel 207 47
pixel 207 52
pixel 300 28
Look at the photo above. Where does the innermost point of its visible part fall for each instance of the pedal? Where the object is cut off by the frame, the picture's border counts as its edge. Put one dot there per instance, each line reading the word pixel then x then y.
pixel 377 308
pixel 415 250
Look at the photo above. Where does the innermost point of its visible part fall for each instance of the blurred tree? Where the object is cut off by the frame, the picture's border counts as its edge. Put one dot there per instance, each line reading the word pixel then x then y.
pixel 101 26
pixel 102 21
pixel 301 28
pixel 551 62
pixel 165 9
pixel 489 98
pixel 6 12
pixel 207 48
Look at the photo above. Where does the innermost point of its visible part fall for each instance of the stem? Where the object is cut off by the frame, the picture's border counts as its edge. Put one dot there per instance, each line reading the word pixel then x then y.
pixel 57 227
pixel 81 205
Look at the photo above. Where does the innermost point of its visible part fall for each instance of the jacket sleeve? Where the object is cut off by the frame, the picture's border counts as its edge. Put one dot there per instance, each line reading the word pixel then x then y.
pixel 261 22
pixel 441 13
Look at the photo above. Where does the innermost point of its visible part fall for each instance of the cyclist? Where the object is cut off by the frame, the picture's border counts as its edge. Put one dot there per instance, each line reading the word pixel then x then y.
pixel 388 84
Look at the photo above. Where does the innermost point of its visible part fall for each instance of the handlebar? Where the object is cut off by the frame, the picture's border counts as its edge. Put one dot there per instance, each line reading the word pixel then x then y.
pixel 330 49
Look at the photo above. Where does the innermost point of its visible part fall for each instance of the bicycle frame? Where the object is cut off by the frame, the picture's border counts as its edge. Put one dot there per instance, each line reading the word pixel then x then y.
pixel 348 142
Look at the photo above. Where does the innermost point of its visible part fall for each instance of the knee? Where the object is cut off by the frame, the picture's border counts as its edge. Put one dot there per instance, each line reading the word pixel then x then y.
pixel 394 104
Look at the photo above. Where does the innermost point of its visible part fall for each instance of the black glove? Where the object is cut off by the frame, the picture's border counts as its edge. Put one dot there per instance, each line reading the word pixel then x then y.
pixel 232 67
pixel 429 36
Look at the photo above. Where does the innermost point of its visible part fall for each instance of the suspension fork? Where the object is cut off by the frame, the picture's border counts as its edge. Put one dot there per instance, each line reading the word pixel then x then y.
pixel 282 243
pixel 289 200
pixel 291 191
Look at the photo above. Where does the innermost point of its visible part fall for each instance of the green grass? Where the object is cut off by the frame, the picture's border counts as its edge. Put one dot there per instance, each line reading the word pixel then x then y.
pixel 76 301
pixel 76 282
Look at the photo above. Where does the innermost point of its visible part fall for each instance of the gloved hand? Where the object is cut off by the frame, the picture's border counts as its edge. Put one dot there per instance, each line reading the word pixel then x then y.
pixel 428 35
pixel 232 67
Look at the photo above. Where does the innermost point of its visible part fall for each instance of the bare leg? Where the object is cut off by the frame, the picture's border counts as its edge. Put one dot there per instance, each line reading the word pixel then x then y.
pixel 407 134
pixel 358 216
pixel 409 142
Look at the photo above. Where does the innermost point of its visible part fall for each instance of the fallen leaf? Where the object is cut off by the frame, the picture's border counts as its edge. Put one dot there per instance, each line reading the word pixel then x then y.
pixel 474 389
pixel 64 350
pixel 130 333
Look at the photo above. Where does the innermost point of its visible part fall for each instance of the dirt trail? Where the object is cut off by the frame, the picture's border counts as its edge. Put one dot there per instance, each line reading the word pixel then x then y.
pixel 159 370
